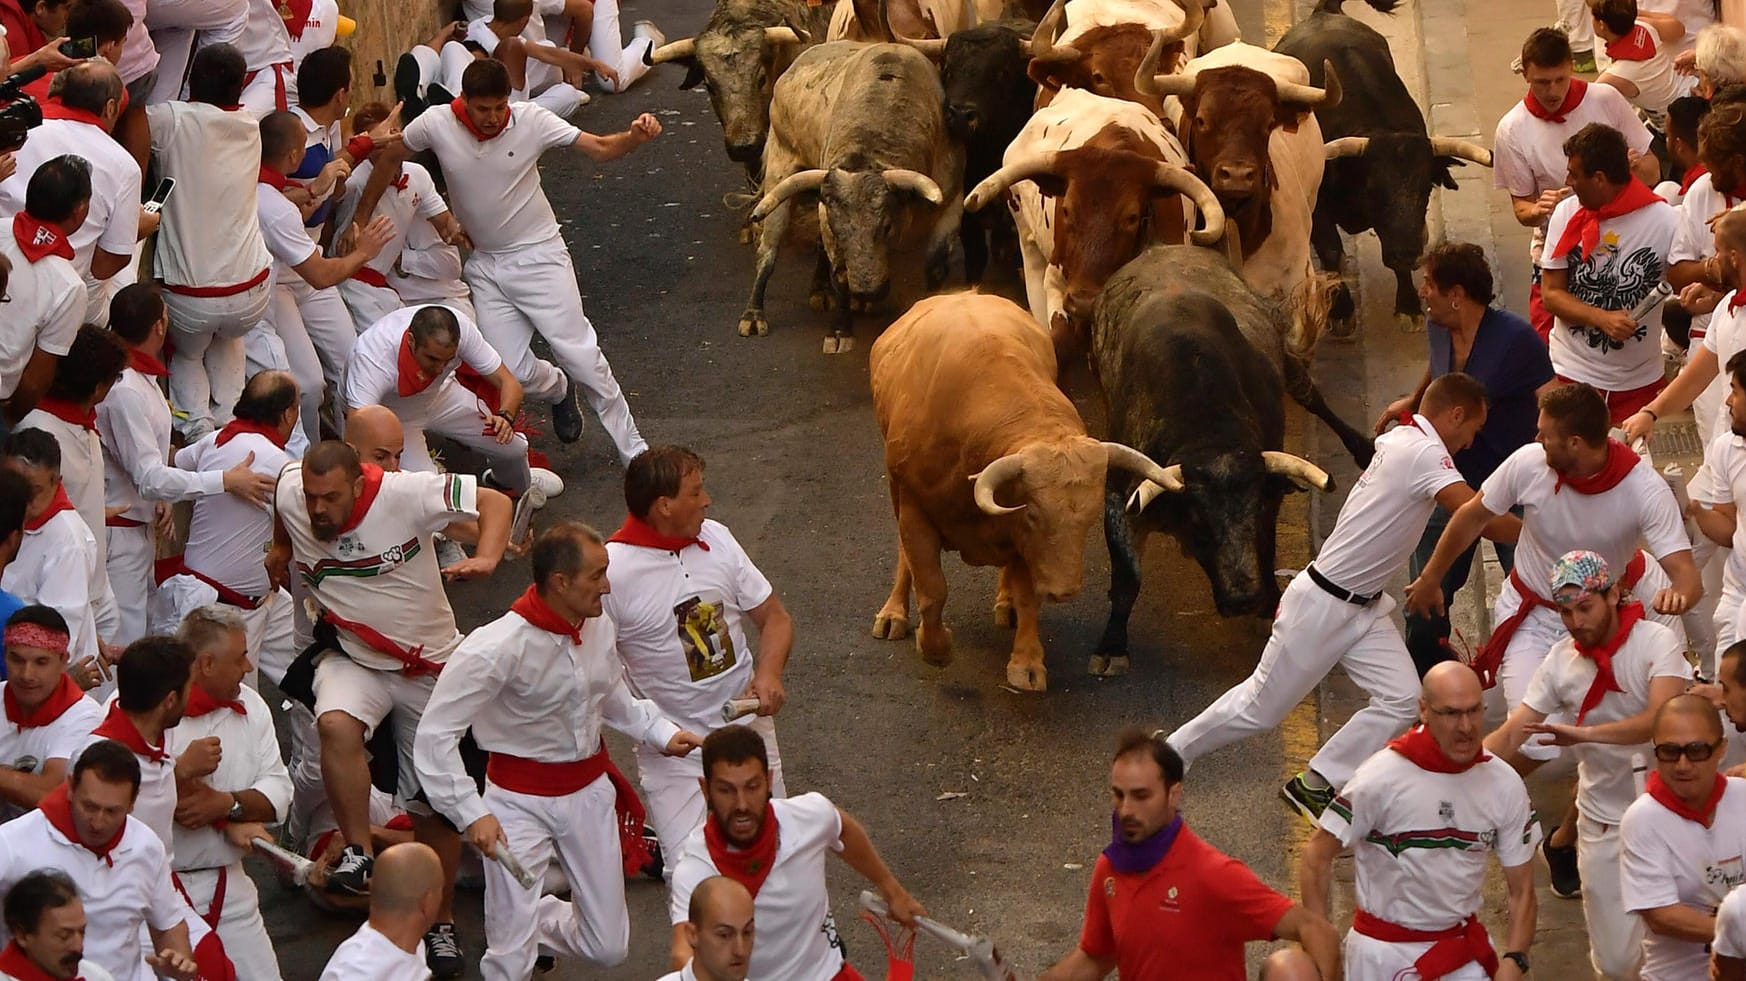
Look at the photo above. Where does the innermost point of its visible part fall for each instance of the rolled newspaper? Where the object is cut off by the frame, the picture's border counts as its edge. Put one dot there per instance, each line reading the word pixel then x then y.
pixel 981 950
pixel 300 867
pixel 513 866
pixel 735 708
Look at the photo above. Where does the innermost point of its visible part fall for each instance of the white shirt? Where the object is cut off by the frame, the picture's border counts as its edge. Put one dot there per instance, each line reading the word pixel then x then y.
pixel 683 974
pixel 211 238
pixel 87 972
pixel 155 806
pixel 45 306
pixel 1725 459
pixel 797 938
pixel 407 207
pixel 383 571
pixel 30 749
pixel 1384 516
pixel 81 470
pixel 530 693
pixel 1731 925
pixel 57 566
pixel 265 41
pixel 250 761
pixel 134 423
pixel 228 537
pixel 1726 338
pixel 496 182
pixel 1693 240
pixel 113 223
pixel 1629 259
pixel 1657 85
pixel 120 899
pixel 373 375
pixel 138 54
pixel 1693 15
pixel 1420 840
pixel 1605 783
pixel 1667 860
pixel 318 32
pixel 681 623
pixel 282 230
pixel 369 956
pixel 1557 521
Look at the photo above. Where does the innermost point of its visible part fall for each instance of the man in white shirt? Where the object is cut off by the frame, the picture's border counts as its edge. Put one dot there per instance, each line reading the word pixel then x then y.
pixel 47 715
pixel 404 901
pixel 540 72
pixel 48 925
pixel 250 788
pixel 686 590
pixel 1336 611
pixel 1728 950
pixel 56 564
pixel 1683 841
pixel 537 686
pixel 151 697
pixel 45 295
pixel 1716 501
pixel 68 412
pixel 265 44
pixel 718 925
pixel 1639 47
pixel 1608 678
pixel 1528 158
pixel 214 265
pixel 520 271
pixel 1421 818
pixel 1607 249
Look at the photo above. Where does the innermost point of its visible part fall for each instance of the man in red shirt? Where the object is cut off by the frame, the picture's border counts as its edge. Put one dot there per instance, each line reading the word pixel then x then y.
pixel 1164 903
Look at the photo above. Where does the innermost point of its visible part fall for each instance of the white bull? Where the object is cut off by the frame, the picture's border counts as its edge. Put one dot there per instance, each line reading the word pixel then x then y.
pixel 911 18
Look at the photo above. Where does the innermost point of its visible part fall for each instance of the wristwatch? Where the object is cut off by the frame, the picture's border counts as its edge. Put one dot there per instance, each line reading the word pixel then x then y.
pixel 506 417
pixel 1520 958
pixel 236 814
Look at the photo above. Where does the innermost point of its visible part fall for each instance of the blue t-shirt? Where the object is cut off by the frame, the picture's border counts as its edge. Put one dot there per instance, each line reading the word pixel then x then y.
pixel 9 604
pixel 1511 361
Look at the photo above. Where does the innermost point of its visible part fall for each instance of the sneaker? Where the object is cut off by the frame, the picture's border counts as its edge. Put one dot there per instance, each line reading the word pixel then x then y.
pixel 449 552
pixel 549 483
pixel 1584 63
pixel 1566 877
pixel 351 874
pixel 442 952
pixel 1305 799
pixel 567 416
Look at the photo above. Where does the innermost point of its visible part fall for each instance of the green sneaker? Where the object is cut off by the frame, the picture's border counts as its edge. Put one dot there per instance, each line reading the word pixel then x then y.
pixel 1584 63
pixel 1306 800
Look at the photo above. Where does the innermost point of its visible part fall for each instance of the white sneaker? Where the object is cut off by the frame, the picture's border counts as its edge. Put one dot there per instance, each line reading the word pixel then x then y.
pixel 647 29
pixel 549 483
pixel 449 552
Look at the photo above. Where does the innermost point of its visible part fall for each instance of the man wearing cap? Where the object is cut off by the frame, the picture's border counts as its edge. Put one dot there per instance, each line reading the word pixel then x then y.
pixel 1610 675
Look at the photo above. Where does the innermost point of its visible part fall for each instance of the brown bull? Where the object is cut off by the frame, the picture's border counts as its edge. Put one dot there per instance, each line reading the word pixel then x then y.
pixel 1105 59
pixel 985 457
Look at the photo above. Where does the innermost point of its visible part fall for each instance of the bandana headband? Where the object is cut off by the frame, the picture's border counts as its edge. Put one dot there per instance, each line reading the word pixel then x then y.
pixel 37 635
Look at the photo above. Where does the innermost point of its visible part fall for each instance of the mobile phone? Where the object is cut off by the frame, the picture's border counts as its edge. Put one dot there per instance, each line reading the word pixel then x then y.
pixel 160 194
pixel 79 48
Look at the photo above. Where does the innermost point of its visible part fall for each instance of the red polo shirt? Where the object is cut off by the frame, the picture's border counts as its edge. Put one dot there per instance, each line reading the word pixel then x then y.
pixel 1188 917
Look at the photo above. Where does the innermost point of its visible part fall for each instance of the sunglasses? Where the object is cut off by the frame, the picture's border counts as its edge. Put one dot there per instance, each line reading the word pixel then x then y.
pixel 1696 752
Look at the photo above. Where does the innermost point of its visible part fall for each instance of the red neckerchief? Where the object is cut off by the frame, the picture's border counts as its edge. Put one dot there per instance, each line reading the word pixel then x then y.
pixel 237 426
pixel 56 109
pixel 361 506
pixel 295 13
pixel 60 502
pixel 66 695
pixel 117 726
pixel 1584 227
pixel 460 111
pixel 410 379
pixel 399 183
pixel 1735 301
pixel 274 178
pixel 1421 749
pixel 1620 460
pixel 200 703
pixel 751 866
pixel 1638 45
pixel 1602 656
pixel 532 607
pixel 68 412
pixel 1664 795
pixel 1690 178
pixel 1572 99
pixel 39 239
pixel 145 364
pixel 58 808
pixel 636 531
pixel 14 964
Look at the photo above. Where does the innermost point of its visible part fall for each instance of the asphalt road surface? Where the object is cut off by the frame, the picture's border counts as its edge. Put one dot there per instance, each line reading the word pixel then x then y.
pixel 796 470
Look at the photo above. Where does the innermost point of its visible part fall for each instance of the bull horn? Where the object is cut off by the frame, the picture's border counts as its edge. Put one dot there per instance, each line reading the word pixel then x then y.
pixel 996 183
pixel 1147 492
pixel 1049 28
pixel 1148 81
pixel 916 183
pixel 1124 457
pixel 679 50
pixel 1346 146
pixel 933 47
pixel 806 180
pixel 786 35
pixel 1193 14
pixel 1205 201
pixel 1465 149
pixel 1310 97
pixel 1302 472
pixel 1009 467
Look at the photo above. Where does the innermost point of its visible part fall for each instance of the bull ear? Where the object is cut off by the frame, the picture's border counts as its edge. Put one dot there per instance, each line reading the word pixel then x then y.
pixel 1441 167
pixel 1051 185
pixel 693 74
pixel 1289 118
pixel 1051 72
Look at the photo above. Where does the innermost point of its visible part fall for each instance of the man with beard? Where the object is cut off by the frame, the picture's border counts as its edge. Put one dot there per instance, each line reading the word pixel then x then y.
pixel 719 928
pixel 1421 818
pixel 784 869
pixel 151 696
pixel 47 921
pixel 1165 904
pixel 1609 676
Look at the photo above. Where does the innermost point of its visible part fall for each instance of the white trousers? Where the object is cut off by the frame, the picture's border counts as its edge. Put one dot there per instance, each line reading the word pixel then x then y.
pixel 1370 959
pixel 367 303
pixel 240 925
pixel 606 42
pixel 173 25
pixel 1578 22
pixel 207 367
pixel 676 805
pixel 454 411
pixel 1312 632
pixel 343 685
pixel 318 334
pixel 580 832
pixel 1615 937
pixel 534 289
pixel 274 88
pixel 129 560
pixel 268 626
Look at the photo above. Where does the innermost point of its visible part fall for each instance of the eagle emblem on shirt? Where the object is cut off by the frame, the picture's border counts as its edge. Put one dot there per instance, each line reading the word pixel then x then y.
pixel 1611 281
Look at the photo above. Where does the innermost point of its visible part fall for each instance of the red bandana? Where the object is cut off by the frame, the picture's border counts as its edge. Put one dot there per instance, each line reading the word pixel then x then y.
pixel 295 13
pixel 530 606
pixel 273 178
pixel 361 506
pixel 1602 657
pixel 68 412
pixel 145 364
pixel 1572 99
pixel 39 239
pixel 1638 45
pixel 1664 795
pixel 400 183
pixel 1584 227
pixel 1421 749
pixel 237 426
pixel 14 964
pixel 751 866
pixel 1690 178
pixel 636 531
pixel 66 695
pixel 200 703
pixel 460 110
pixel 1620 460
pixel 60 502
pixel 411 378
pixel 1736 300
pixel 117 726
pixel 58 808
pixel 55 109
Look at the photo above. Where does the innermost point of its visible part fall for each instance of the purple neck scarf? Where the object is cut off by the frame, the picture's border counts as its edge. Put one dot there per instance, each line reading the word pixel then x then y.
pixel 1140 856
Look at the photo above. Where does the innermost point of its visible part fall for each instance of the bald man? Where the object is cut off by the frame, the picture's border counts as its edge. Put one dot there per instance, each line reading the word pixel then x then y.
pixel 406 892
pixel 1422 818
pixel 1289 964
pixel 719 927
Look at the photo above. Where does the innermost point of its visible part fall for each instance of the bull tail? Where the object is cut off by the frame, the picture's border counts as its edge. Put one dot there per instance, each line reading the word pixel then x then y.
pixel 1380 6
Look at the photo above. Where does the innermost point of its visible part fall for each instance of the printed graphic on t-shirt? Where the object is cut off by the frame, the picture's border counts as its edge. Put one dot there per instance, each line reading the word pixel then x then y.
pixel 703 634
pixel 1612 282
pixel 1726 873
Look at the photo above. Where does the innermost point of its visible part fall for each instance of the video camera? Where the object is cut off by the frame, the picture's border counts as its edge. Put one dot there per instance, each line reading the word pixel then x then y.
pixel 20 113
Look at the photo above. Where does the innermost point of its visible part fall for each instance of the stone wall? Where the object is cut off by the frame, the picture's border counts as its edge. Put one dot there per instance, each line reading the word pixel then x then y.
pixel 386 29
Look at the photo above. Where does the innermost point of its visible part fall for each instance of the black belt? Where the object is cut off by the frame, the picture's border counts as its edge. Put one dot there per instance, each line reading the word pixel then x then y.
pixel 1336 592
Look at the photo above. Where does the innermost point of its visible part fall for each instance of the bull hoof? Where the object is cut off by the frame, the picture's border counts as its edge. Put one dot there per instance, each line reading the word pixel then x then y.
pixel 1410 323
pixel 749 233
pixel 1342 326
pixel 1004 615
pixel 1108 665
pixel 861 306
pixel 1027 677
pixel 752 323
pixel 839 344
pixel 890 626
pixel 822 301
pixel 935 645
